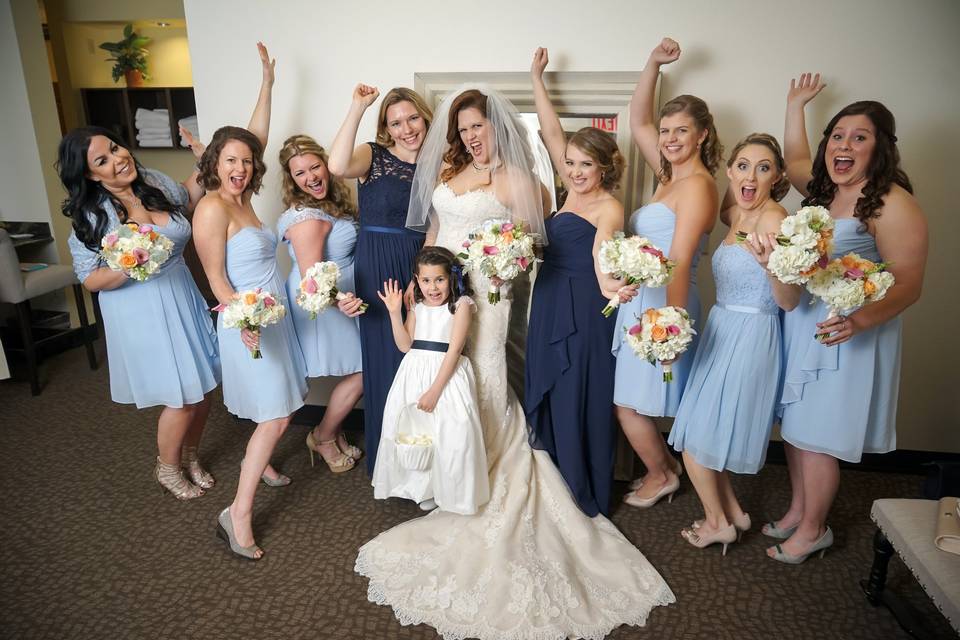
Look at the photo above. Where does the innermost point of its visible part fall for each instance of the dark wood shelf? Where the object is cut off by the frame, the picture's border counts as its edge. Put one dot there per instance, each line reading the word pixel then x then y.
pixel 115 109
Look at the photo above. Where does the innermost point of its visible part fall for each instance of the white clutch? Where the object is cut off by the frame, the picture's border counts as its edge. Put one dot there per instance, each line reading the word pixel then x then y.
pixel 414 439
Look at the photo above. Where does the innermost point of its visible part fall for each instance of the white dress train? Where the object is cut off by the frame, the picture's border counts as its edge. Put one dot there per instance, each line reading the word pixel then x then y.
pixel 529 565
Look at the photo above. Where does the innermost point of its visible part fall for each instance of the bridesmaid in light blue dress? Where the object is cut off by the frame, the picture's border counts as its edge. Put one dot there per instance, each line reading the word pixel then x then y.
pixel 320 225
pixel 239 254
pixel 161 346
pixel 684 151
pixel 727 411
pixel 840 396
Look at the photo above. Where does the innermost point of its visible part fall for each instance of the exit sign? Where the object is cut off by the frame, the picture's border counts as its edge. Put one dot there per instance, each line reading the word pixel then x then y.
pixel 606 124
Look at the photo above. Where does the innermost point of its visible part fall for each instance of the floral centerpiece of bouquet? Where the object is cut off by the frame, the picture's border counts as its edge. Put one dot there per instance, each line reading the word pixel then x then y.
pixel 847 283
pixel 636 260
pixel 137 250
pixel 318 289
pixel 803 245
pixel 501 250
pixel 661 334
pixel 252 310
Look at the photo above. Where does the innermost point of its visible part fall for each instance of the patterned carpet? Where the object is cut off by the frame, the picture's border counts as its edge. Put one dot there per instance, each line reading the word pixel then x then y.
pixel 90 549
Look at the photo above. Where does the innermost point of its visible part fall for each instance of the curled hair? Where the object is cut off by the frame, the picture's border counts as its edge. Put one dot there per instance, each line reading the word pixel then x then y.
pixel 711 151
pixel 457 155
pixel 882 173
pixel 602 149
pixel 337 203
pixel 86 196
pixel 207 167
pixel 779 188
pixel 442 257
pixel 395 95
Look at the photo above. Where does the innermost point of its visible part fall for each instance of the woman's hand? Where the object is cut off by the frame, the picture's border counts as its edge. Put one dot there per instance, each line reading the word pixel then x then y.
pixel 350 305
pixel 838 329
pixel 364 95
pixel 497 282
pixel 666 52
pixel 428 401
pixel 408 298
pixel 391 296
pixel 540 61
pixel 195 145
pixel 804 89
pixel 267 64
pixel 760 246
pixel 250 338
pixel 627 292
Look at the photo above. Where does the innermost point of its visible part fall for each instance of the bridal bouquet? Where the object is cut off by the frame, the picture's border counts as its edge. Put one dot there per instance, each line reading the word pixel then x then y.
pixel 803 246
pixel 849 282
pixel 636 260
pixel 661 334
pixel 252 310
pixel 318 289
pixel 136 250
pixel 500 250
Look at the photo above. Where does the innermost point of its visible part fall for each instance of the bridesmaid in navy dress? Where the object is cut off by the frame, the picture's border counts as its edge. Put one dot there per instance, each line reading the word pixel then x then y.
pixel 568 394
pixel 856 174
pixel 385 247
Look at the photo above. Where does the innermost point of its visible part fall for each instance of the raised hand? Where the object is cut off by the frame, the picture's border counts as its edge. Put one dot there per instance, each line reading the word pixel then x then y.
pixel 364 95
pixel 267 64
pixel 666 52
pixel 392 296
pixel 804 89
pixel 760 246
pixel 540 61
pixel 195 145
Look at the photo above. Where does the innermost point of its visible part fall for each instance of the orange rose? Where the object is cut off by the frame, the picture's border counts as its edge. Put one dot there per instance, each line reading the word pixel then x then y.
pixel 508 236
pixel 869 288
pixel 822 246
pixel 153 236
pixel 133 225
pixel 658 333
pixel 867 266
pixel 128 261
pixel 249 298
pixel 849 262
pixel 650 316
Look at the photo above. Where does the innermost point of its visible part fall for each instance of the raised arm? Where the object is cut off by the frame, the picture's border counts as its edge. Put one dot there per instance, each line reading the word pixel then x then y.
pixel 260 120
pixel 392 297
pixel 193 187
pixel 609 222
pixel 458 337
pixel 308 239
pixel 553 137
pixel 345 161
pixel 210 225
pixel 642 118
pixel 696 215
pixel 901 233
pixel 796 148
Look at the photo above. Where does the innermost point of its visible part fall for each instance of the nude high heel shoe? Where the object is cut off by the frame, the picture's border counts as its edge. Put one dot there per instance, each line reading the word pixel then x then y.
pixel 823 543
pixel 171 479
pixel 341 463
pixel 725 536
pixel 742 525
pixel 225 533
pixel 668 490
pixel 190 463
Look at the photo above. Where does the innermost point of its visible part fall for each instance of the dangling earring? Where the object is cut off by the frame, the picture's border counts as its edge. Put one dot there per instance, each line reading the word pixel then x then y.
pixel 602 175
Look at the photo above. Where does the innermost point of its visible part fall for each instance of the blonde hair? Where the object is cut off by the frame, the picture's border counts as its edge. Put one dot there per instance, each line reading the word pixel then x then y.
pixel 395 95
pixel 711 151
pixel 779 188
pixel 602 148
pixel 338 202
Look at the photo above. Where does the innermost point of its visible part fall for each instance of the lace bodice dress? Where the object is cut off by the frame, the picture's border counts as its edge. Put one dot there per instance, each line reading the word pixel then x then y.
pixel 529 564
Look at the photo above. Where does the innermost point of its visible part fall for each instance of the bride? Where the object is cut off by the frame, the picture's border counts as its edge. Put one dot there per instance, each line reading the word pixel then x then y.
pixel 529 564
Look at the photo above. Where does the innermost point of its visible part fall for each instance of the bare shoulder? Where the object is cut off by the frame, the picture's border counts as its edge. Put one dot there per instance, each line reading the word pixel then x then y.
pixel 900 203
pixel 697 185
pixel 211 209
pixel 609 210
pixel 771 217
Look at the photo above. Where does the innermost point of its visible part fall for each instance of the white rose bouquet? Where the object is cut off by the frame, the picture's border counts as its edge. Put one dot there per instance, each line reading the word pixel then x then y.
pixel 318 289
pixel 661 334
pixel 848 283
pixel 636 260
pixel 135 249
pixel 252 310
pixel 499 249
pixel 804 245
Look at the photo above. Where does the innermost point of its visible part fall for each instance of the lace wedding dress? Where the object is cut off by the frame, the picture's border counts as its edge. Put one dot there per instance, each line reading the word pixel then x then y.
pixel 529 565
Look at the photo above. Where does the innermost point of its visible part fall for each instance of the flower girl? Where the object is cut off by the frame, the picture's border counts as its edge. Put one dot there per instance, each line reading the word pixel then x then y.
pixel 431 448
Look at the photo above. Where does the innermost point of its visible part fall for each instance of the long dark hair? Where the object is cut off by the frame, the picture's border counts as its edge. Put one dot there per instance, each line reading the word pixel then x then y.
pixel 883 172
pixel 442 257
pixel 86 196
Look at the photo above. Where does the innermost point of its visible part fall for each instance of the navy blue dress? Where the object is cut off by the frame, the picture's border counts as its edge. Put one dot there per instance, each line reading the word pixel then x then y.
pixel 385 249
pixel 569 369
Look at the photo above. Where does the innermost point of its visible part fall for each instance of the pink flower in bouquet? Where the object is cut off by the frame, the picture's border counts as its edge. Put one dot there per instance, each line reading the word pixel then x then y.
pixel 673 330
pixel 853 274
pixel 309 285
pixel 523 262
pixel 145 228
pixel 635 329
pixel 652 250
pixel 466 244
pixel 142 255
pixel 491 250
pixel 111 239
pixel 269 302
pixel 508 227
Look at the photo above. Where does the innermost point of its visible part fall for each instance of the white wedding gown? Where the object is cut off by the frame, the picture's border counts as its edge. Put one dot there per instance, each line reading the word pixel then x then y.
pixel 529 565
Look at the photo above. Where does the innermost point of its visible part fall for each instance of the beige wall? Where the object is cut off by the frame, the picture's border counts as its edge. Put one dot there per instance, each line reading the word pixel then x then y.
pixel 738 55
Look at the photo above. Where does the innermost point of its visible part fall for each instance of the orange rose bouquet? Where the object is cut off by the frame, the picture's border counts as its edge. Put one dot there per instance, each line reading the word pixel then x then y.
pixel 252 310
pixel 661 334
pixel 848 283
pixel 138 250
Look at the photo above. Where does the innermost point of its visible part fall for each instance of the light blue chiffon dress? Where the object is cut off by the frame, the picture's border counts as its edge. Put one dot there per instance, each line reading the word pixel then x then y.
pixel 331 342
pixel 638 384
pixel 274 385
pixel 841 400
pixel 727 411
pixel 161 344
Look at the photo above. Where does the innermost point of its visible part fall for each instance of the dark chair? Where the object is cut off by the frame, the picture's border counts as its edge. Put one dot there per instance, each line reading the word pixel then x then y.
pixel 18 288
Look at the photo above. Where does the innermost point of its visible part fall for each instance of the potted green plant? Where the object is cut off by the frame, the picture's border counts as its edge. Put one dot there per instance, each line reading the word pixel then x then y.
pixel 129 57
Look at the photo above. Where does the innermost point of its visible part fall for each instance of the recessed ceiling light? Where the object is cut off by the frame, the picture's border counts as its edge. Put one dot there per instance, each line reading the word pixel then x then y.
pixel 163 24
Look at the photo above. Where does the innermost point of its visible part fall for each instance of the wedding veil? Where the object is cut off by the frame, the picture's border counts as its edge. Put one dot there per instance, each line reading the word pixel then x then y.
pixel 520 171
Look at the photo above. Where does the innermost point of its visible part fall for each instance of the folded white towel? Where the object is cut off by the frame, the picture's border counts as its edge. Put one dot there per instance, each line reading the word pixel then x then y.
pixel 155 143
pixel 154 138
pixel 190 124
pixel 151 116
